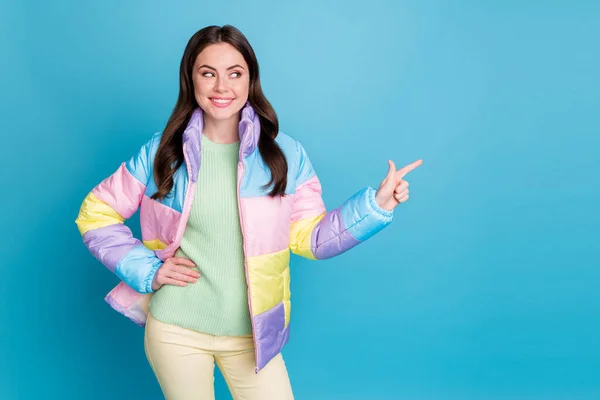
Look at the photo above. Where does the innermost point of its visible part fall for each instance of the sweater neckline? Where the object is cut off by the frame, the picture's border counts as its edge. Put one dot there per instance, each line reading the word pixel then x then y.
pixel 207 144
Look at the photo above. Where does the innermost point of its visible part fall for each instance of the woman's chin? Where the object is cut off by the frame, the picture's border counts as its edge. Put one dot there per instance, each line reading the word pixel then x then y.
pixel 222 113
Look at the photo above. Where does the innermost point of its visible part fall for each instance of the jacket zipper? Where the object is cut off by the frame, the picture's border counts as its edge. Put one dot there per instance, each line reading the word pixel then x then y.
pixel 239 188
pixel 187 201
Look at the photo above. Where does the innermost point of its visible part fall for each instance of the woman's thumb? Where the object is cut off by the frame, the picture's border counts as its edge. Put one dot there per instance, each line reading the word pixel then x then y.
pixel 391 175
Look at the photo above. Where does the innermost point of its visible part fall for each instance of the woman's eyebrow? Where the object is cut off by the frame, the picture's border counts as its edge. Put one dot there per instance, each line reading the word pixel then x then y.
pixel 214 69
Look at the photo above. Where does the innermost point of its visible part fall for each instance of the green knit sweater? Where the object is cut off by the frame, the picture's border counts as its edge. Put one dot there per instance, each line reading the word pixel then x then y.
pixel 218 302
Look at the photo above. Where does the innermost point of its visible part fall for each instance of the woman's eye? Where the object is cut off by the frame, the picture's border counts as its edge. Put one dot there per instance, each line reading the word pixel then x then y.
pixel 208 74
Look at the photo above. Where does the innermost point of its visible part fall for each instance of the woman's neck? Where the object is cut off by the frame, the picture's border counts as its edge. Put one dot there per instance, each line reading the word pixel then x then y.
pixel 222 131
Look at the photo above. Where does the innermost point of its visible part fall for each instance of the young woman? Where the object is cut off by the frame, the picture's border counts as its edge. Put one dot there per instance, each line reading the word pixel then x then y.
pixel 224 197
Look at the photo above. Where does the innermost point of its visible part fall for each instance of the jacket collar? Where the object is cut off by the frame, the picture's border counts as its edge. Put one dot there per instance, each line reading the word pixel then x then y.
pixel 249 131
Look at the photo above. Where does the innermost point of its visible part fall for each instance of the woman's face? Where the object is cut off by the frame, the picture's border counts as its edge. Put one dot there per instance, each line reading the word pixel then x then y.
pixel 221 81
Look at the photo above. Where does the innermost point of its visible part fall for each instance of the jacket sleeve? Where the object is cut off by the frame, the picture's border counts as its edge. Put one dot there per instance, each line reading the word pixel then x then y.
pixel 103 213
pixel 318 234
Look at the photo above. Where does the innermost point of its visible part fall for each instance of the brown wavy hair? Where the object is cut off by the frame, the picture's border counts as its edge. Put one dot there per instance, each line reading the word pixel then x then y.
pixel 169 155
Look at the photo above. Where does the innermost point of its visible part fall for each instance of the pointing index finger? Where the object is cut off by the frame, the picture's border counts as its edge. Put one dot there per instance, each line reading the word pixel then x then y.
pixel 406 169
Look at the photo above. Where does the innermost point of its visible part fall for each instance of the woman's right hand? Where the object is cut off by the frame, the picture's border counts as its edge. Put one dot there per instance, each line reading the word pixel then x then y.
pixel 175 271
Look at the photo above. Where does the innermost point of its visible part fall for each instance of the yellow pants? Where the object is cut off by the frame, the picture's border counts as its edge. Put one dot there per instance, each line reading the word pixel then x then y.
pixel 183 361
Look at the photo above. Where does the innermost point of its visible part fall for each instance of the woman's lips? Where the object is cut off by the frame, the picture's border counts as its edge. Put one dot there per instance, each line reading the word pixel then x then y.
pixel 221 102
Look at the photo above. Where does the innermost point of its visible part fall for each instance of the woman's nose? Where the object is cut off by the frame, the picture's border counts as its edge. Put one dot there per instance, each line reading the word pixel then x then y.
pixel 220 85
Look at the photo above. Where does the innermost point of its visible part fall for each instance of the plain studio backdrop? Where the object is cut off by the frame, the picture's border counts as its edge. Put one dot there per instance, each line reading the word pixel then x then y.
pixel 484 287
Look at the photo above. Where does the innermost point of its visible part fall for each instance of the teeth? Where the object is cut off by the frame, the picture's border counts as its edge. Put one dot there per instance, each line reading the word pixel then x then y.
pixel 221 101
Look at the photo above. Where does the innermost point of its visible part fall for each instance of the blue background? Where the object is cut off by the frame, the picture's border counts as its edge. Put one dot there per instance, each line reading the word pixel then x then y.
pixel 484 287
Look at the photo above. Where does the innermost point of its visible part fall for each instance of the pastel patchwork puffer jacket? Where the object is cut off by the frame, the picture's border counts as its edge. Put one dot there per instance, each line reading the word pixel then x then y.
pixel 271 226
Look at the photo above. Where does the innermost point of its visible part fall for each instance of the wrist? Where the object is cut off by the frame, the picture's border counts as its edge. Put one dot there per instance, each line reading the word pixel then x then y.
pixel 155 284
pixel 380 205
